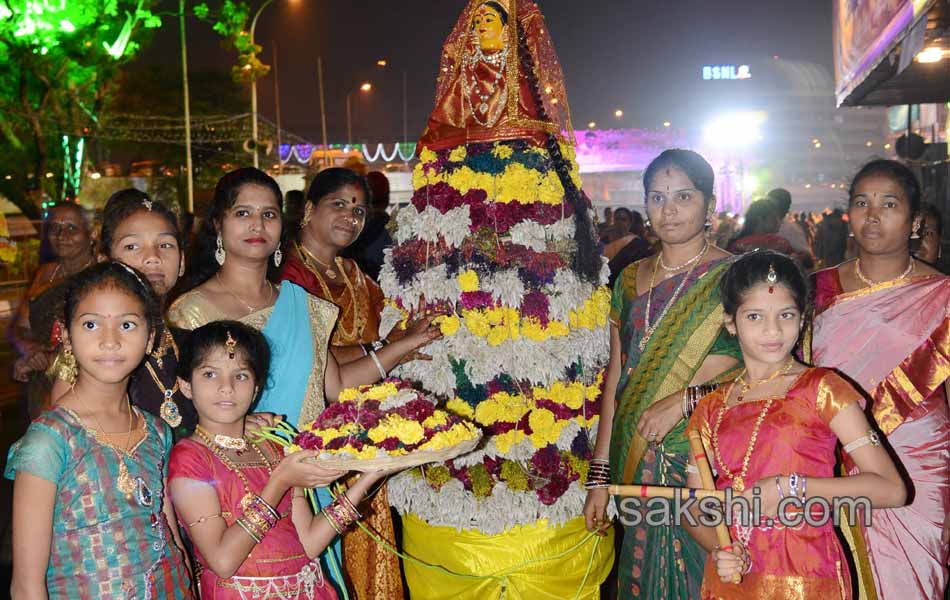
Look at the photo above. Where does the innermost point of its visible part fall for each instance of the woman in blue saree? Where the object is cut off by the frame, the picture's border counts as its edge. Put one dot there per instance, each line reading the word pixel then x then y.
pixel 235 259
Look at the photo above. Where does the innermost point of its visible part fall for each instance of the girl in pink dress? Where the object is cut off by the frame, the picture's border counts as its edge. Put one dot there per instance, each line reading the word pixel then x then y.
pixel 241 502
pixel 772 433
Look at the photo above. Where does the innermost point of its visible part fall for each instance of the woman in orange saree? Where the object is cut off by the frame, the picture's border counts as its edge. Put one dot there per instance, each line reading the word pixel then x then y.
pixel 883 320
pixel 334 215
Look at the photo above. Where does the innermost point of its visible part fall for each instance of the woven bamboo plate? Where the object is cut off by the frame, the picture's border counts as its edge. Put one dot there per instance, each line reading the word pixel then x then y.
pixel 347 462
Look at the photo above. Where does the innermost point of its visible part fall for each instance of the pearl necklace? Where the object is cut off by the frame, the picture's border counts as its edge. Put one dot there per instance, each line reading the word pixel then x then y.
pixel 688 263
pixel 498 60
pixel 868 282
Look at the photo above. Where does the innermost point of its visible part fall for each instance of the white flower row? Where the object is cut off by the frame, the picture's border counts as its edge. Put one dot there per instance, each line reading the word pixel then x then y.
pixel 566 293
pixel 539 363
pixel 453 506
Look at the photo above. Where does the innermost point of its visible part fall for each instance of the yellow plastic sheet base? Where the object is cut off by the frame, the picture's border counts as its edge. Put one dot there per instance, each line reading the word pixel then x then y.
pixel 527 558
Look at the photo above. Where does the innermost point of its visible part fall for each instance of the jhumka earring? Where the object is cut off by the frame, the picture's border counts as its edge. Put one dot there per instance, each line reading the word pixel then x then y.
pixel 278 257
pixel 915 232
pixel 307 212
pixel 230 344
pixel 219 253
pixel 69 370
pixel 772 278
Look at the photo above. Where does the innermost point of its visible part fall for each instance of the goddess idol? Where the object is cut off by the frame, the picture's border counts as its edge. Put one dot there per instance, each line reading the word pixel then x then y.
pixel 499 239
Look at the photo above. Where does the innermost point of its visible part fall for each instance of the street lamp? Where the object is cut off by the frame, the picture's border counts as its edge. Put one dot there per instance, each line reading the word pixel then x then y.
pixel 366 87
pixel 592 125
pixel 667 124
pixel 618 113
pixel 254 85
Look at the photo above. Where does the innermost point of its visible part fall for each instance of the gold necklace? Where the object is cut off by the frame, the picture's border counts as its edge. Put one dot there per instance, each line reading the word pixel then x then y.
pixel 306 254
pixel 250 308
pixel 739 480
pixel 167 342
pixel 124 482
pixel 651 329
pixel 357 322
pixel 747 387
pixel 688 263
pixel 868 282
pixel 249 497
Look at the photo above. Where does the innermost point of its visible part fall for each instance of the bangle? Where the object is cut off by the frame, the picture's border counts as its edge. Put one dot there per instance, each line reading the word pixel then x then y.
pixel 379 365
pixel 778 486
pixel 363 348
pixel 247 528
pixel 685 406
pixel 804 482
pixel 793 485
pixel 378 344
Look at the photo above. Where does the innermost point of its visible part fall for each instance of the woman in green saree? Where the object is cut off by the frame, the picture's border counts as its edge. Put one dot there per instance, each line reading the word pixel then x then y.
pixel 666 336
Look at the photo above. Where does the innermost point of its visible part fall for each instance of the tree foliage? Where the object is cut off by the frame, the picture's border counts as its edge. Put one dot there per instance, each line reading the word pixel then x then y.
pixel 58 61
pixel 231 21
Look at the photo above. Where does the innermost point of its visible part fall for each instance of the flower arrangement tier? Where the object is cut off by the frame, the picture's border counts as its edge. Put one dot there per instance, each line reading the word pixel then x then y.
pixel 385 426
pixel 499 238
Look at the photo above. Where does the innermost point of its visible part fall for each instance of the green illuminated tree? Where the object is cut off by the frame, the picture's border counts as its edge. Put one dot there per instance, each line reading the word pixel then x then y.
pixel 58 66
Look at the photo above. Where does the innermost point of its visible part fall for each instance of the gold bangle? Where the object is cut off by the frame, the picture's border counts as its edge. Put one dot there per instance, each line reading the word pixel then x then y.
pixel 247 529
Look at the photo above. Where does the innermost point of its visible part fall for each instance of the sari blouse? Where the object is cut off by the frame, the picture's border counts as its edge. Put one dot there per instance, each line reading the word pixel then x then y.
pixel 787 563
pixel 359 311
pixel 103 544
pixel 280 552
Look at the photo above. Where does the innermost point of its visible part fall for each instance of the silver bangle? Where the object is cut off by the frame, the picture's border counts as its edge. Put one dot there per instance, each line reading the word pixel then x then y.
pixel 379 365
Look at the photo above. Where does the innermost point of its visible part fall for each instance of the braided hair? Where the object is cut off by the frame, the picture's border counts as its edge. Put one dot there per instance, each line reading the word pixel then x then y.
pixel 587 263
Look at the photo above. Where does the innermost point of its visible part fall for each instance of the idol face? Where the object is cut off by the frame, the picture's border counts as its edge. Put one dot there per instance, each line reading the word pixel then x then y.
pixel 489 26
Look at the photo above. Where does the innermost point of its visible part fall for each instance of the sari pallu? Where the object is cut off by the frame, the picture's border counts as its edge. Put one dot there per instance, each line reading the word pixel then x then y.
pixel 371 570
pixel 893 340
pixel 662 563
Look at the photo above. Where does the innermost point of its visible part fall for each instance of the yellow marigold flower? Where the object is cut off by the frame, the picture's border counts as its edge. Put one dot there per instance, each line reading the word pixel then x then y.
pixel 427 156
pixel 460 407
pixel 348 395
pixel 578 465
pixel 457 434
pixel 458 155
pixel 497 335
pixel 437 419
pixel 476 323
pixel 468 281
pixel 495 316
pixel 531 329
pixel 362 453
pixel 505 441
pixel 449 324
pixel 501 406
pixel 557 329
pixel 406 431
pixel 550 190
pixel 545 427
pixel 502 151
pixel 380 392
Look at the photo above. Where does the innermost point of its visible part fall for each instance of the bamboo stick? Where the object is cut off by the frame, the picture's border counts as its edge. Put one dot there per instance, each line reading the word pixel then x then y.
pixel 705 474
pixel 658 491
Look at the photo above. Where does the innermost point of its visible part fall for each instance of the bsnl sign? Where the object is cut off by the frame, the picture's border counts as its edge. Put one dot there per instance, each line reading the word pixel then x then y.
pixel 714 72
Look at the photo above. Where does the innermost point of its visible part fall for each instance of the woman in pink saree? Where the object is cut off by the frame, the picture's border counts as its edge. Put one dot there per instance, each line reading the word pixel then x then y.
pixel 883 320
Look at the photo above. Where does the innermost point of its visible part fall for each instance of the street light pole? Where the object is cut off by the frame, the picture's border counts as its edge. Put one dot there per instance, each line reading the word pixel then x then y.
pixel 254 86
pixel 189 173
pixel 349 120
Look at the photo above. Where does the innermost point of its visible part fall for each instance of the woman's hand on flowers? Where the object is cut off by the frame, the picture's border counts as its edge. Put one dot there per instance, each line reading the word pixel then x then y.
pixel 595 511
pixel 422 330
pixel 729 564
pixel 299 470
pixel 660 418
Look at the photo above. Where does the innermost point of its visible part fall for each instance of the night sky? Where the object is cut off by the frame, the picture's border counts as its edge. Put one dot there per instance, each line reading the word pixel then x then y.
pixel 642 56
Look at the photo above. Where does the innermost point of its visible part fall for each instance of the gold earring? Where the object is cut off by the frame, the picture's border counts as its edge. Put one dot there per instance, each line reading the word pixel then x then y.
pixel 68 369
pixel 307 212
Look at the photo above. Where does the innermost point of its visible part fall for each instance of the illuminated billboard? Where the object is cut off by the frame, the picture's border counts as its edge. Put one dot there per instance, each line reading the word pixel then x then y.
pixel 719 72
